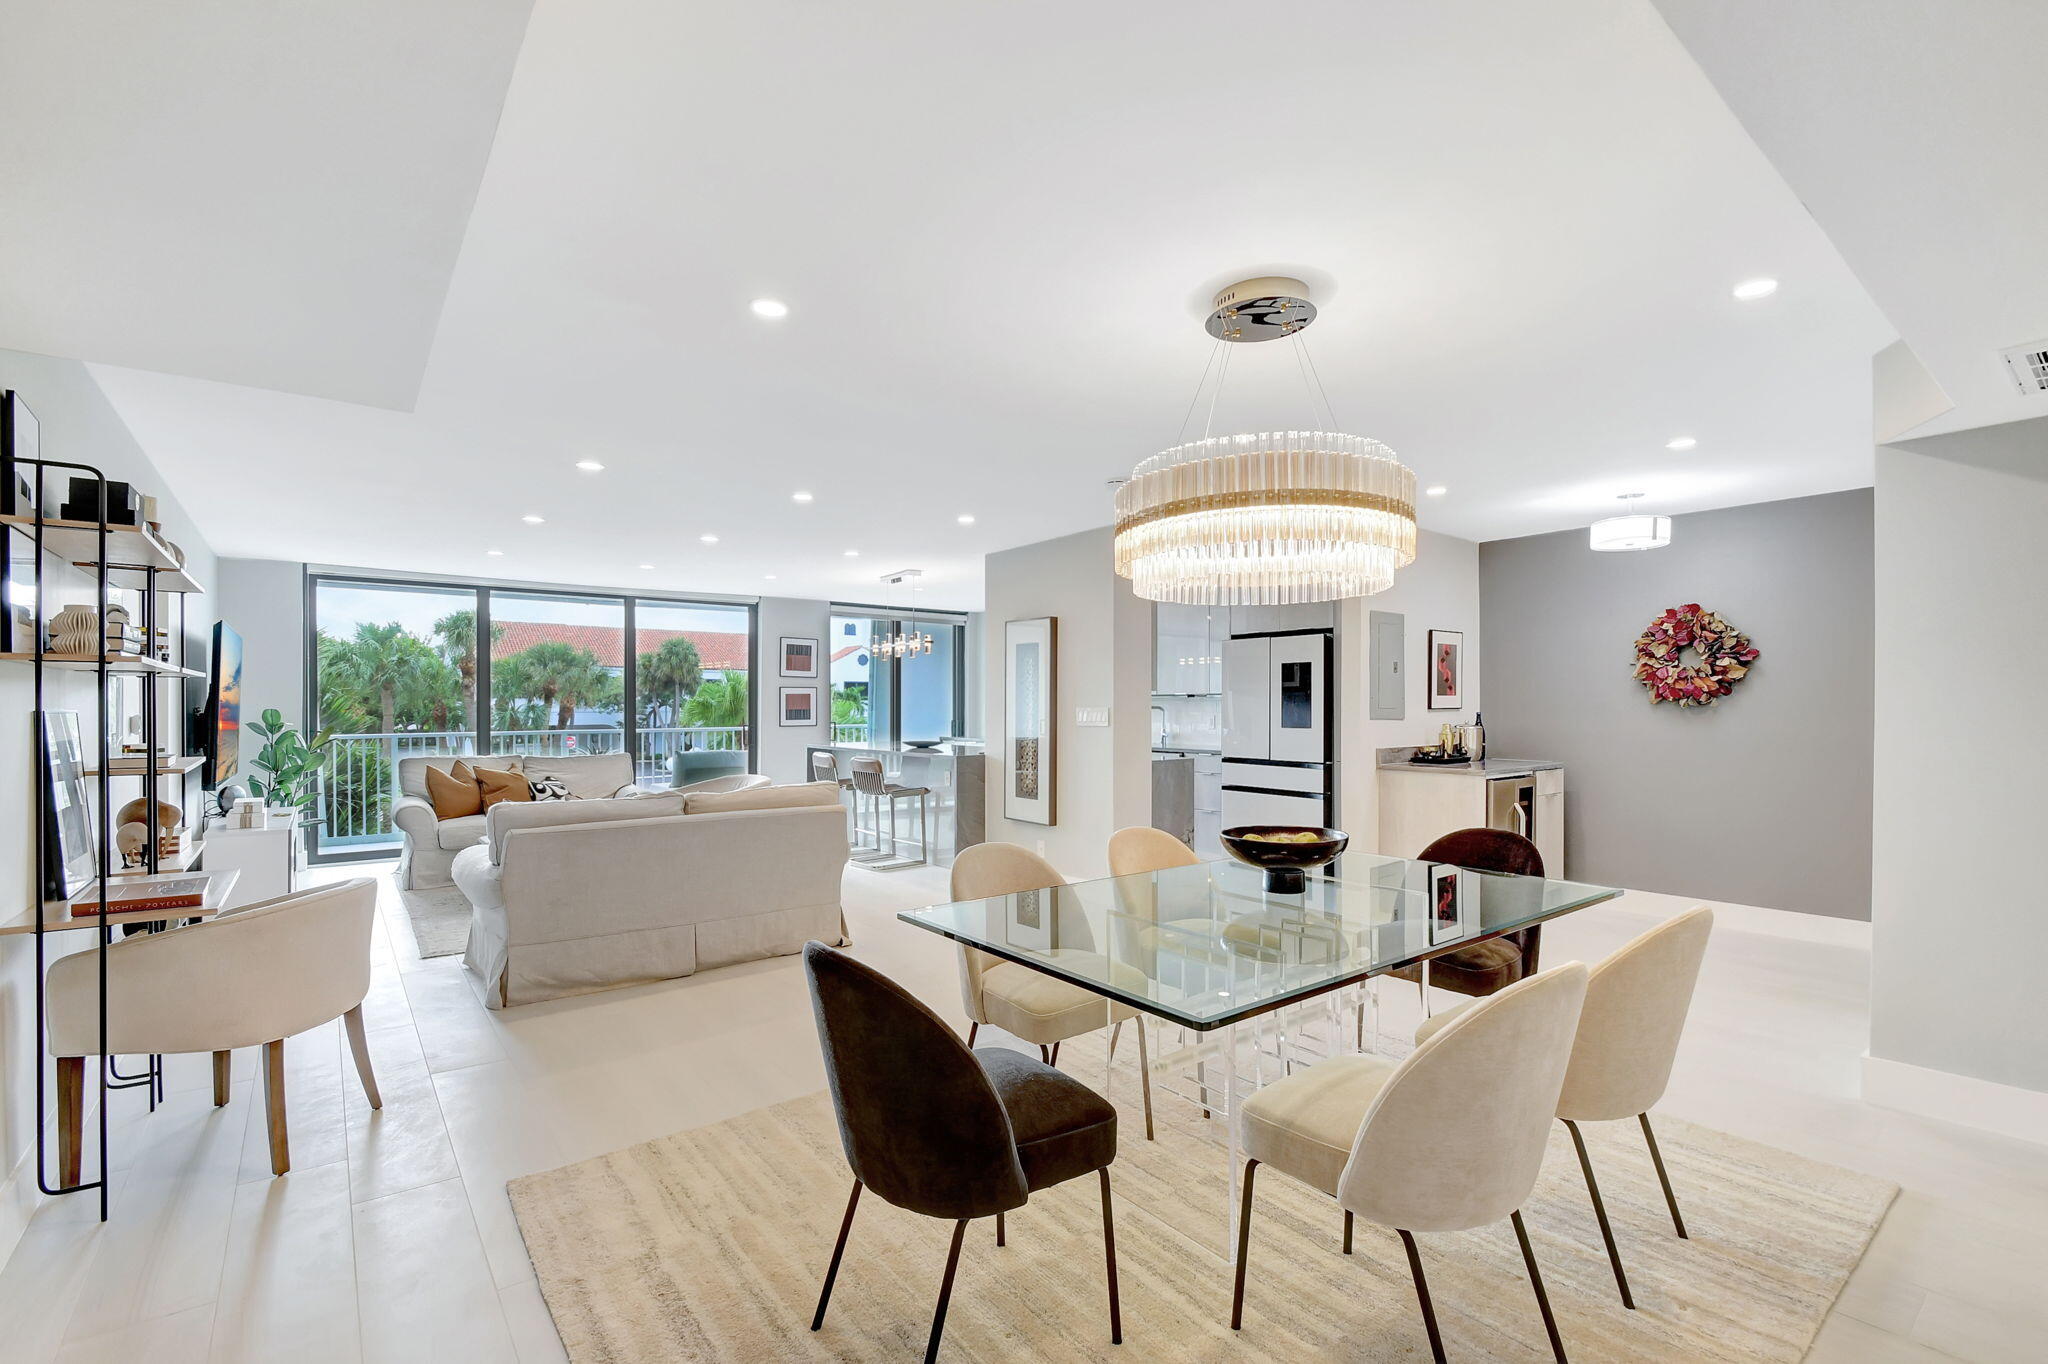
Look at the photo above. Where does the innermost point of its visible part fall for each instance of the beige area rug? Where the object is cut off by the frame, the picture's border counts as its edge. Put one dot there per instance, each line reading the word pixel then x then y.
pixel 440 919
pixel 710 1245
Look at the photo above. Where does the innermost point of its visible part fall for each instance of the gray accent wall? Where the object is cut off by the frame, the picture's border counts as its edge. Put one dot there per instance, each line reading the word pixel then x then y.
pixel 1763 799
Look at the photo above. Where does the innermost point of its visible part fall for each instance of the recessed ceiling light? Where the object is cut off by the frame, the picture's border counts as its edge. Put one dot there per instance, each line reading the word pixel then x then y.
pixel 1750 290
pixel 769 307
pixel 965 518
pixel 769 576
pixel 709 539
pixel 646 566
pixel 533 520
pixel 1680 443
pixel 800 497
pixel 495 553
pixel 590 466
pixel 1435 490
pixel 853 554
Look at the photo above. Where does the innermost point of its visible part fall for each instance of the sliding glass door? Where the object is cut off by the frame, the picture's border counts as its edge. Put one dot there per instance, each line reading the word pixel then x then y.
pixel 691 691
pixel 881 700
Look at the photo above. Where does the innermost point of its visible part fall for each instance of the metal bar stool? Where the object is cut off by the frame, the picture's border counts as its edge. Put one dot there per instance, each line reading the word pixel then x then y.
pixel 868 780
pixel 825 767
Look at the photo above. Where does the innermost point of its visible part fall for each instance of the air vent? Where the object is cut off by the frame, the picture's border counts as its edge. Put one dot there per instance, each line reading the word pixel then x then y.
pixel 2028 366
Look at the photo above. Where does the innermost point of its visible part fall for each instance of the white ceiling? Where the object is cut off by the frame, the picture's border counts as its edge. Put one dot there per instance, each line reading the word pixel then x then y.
pixel 993 227
pixel 1912 131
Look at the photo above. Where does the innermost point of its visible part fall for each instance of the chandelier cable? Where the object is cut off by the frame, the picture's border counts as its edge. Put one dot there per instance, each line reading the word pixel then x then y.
pixel 1196 396
pixel 1328 411
pixel 1209 421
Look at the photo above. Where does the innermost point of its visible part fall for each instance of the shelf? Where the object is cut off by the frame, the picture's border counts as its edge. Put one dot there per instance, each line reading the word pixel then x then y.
pixel 117 663
pixel 136 767
pixel 133 548
pixel 179 861
pixel 57 915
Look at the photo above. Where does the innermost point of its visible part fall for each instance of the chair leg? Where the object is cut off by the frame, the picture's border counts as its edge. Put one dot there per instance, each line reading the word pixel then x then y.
pixel 273 1106
pixel 1116 1315
pixel 1347 1231
pixel 1536 1282
pixel 1054 1059
pixel 1657 1159
pixel 359 1047
pixel 1436 1341
pixel 1145 1078
pixel 931 1351
pixel 70 1120
pixel 1045 1053
pixel 223 1076
pixel 1000 1241
pixel 1600 1214
pixel 838 1249
pixel 972 1029
pixel 1244 1246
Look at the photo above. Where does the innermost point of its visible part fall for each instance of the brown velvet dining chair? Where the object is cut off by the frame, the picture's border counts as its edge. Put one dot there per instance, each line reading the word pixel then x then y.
pixel 1482 968
pixel 938 1129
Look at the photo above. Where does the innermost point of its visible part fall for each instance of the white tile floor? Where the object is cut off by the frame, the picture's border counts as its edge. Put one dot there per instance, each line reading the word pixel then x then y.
pixel 392 1238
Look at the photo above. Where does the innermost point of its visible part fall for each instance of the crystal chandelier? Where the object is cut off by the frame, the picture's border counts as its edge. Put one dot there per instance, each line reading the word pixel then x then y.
pixel 900 644
pixel 1272 518
pixel 1630 531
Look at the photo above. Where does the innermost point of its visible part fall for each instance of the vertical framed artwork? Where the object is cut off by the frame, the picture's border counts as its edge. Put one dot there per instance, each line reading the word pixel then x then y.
pixel 1030 701
pixel 70 855
pixel 799 657
pixel 1446 669
pixel 1446 904
pixel 799 706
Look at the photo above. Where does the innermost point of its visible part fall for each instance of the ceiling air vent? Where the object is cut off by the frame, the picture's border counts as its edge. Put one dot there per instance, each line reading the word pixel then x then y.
pixel 2028 366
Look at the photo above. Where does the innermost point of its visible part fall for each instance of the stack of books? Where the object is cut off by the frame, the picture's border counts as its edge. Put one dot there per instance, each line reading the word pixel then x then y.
pixel 164 893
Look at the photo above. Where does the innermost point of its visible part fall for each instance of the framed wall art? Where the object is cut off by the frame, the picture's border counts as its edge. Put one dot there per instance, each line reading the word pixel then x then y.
pixel 1446 904
pixel 799 706
pixel 799 657
pixel 1446 669
pixel 1030 703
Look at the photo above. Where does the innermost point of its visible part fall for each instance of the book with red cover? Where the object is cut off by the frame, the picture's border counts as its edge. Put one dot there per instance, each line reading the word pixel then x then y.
pixel 166 894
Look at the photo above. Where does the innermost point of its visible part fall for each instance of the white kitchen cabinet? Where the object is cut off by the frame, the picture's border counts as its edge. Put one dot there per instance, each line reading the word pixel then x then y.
pixel 1550 820
pixel 1180 650
pixel 1419 805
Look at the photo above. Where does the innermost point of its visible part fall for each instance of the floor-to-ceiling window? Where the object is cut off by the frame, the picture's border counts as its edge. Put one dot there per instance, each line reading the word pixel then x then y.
pixel 885 700
pixel 399 669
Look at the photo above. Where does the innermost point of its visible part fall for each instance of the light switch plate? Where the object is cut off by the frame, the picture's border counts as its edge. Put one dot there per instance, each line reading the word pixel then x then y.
pixel 1092 717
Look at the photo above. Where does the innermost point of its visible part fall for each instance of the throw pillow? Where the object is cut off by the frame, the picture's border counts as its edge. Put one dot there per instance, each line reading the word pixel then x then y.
pixel 550 788
pixel 453 793
pixel 497 785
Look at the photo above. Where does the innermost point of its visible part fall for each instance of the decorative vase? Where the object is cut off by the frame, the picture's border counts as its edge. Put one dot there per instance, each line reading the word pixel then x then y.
pixel 75 630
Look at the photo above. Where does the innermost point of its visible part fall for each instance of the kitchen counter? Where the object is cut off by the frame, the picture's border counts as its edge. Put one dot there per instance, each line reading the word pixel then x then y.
pixel 1485 767
pixel 963 749
pixel 1170 751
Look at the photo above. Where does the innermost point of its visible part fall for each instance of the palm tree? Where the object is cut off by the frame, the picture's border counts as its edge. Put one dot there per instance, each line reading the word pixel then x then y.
pixel 668 677
pixel 557 675
pixel 457 633
pixel 850 705
pixel 720 704
pixel 377 662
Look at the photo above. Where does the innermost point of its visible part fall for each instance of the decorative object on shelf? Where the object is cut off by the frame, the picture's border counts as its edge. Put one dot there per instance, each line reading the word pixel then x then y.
pixel 1725 656
pixel 290 765
pixel 132 839
pixel 1284 852
pixel 70 858
pixel 75 630
pixel 1446 669
pixel 20 439
pixel 119 636
pixel 1266 518
pixel 799 706
pixel 228 798
pixel 1030 701
pixel 168 815
pixel 903 644
pixel 248 811
pixel 799 657
pixel 1630 531
pixel 549 788
pixel 82 503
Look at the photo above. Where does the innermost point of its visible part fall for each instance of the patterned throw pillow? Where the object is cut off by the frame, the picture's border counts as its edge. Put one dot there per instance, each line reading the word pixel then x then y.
pixel 550 788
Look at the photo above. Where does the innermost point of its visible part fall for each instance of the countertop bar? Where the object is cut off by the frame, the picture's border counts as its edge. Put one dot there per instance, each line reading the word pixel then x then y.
pixel 1485 767
pixel 945 750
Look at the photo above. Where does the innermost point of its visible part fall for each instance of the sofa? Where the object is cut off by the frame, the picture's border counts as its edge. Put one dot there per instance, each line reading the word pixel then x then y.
pixel 568 897
pixel 431 843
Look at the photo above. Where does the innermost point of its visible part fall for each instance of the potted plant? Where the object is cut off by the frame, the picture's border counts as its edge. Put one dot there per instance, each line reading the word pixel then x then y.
pixel 291 766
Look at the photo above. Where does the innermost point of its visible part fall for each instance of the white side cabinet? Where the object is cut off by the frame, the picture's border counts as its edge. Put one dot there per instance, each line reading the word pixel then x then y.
pixel 267 858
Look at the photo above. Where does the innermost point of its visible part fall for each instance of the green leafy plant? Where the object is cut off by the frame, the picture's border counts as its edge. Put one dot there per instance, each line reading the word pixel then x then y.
pixel 290 764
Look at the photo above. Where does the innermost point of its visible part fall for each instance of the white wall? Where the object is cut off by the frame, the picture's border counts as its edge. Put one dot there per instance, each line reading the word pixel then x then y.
pixel 264 600
pixel 77 424
pixel 1439 591
pixel 1103 776
pixel 779 751
pixel 1959 914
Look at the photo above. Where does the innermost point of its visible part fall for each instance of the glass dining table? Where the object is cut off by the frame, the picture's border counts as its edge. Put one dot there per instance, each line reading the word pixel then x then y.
pixel 1257 980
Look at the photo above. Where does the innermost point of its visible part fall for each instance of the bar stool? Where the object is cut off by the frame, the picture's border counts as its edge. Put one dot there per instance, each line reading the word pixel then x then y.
pixel 825 767
pixel 869 781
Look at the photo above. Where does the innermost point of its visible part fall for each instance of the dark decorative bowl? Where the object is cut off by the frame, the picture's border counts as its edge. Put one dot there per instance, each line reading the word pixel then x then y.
pixel 1284 863
pixel 922 743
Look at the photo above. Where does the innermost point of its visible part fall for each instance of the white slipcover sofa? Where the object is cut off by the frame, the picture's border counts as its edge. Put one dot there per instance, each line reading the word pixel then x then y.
pixel 431 842
pixel 573 896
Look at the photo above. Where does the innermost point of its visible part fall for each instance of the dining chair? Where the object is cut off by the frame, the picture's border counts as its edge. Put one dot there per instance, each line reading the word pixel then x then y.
pixel 1140 849
pixel 247 977
pixel 1636 1003
pixel 870 780
pixel 1481 968
pixel 1027 1003
pixel 938 1129
pixel 1450 1139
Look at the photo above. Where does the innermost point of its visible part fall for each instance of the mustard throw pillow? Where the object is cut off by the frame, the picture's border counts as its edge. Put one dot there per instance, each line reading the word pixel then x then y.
pixel 496 785
pixel 453 793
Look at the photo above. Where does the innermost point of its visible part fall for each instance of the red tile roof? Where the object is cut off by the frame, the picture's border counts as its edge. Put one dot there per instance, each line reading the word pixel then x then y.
pixel 718 652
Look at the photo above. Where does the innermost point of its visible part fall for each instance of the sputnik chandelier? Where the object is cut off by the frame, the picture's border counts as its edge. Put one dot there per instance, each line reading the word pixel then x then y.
pixel 1266 518
pixel 901 644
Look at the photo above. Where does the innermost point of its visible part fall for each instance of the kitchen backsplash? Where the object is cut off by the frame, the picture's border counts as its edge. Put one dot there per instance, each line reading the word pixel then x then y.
pixel 1187 722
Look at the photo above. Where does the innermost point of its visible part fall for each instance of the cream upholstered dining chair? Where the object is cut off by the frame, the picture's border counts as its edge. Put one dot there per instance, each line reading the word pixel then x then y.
pixel 1636 1003
pixel 1451 1138
pixel 1026 1003
pixel 1140 849
pixel 249 977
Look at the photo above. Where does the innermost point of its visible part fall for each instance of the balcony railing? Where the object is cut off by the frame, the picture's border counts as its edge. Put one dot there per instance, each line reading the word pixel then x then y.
pixel 850 734
pixel 359 783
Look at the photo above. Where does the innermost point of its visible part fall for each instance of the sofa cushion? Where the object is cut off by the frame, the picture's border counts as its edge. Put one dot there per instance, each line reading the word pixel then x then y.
pixel 412 772
pixel 503 819
pixel 499 784
pixel 762 798
pixel 454 793
pixel 459 833
pixel 589 776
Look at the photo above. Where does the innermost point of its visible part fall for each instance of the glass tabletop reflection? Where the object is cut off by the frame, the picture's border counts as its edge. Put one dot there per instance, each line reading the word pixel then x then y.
pixel 1208 945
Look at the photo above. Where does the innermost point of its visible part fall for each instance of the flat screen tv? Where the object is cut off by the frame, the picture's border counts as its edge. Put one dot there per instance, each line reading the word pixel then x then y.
pixel 220 724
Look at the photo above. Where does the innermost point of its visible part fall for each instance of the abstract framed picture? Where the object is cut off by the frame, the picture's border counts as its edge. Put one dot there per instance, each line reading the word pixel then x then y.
pixel 1030 703
pixel 70 855
pixel 799 657
pixel 1446 669
pixel 799 706
pixel 1446 904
